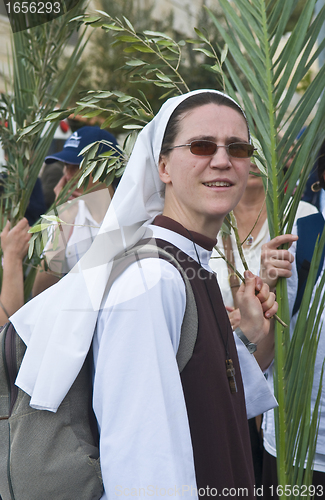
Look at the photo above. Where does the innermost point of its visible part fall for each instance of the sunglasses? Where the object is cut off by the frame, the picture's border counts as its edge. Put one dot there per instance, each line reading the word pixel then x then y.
pixel 209 148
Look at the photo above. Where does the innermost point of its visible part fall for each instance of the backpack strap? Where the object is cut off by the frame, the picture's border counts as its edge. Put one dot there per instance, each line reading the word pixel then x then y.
pixel 309 229
pixel 190 321
pixel 12 348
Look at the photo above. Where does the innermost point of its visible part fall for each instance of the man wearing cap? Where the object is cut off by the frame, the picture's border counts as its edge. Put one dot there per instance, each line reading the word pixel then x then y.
pixel 62 166
pixel 83 216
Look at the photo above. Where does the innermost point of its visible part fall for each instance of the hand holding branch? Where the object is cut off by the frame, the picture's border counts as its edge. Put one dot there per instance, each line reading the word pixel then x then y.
pixel 257 305
pixel 276 263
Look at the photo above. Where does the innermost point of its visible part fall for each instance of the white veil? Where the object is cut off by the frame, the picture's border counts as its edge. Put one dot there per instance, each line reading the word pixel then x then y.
pixel 58 325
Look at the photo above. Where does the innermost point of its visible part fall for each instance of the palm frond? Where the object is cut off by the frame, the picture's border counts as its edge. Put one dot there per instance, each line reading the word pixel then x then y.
pixel 274 62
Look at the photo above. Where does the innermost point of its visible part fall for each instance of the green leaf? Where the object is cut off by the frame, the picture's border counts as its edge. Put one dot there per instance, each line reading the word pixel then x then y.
pixel 127 38
pixel 53 218
pixel 31 247
pixel 215 68
pixel 125 98
pixel 142 48
pixel 200 35
pixel 192 40
pixel 108 121
pixel 224 53
pixel 103 13
pixel 164 78
pixel 106 154
pixel 59 115
pixel 104 94
pixel 165 43
pixel 96 24
pixel 165 85
pixel 132 127
pixel 158 34
pixel 38 228
pixel 86 149
pixel 129 50
pixel 136 62
pixel 90 20
pixel 110 177
pixel 90 167
pixel 112 27
pixel 129 24
pixel 32 129
pixel 206 52
pixel 92 114
pixel 99 171
pixel 118 122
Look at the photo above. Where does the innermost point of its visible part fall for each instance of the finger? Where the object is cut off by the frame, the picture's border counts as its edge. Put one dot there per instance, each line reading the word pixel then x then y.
pixel 23 222
pixel 264 292
pixel 283 255
pixel 277 271
pixel 268 302
pixel 6 229
pixel 230 309
pixel 272 311
pixel 21 228
pixel 234 318
pixel 250 282
pixel 60 185
pixel 258 283
pixel 281 240
pixel 75 194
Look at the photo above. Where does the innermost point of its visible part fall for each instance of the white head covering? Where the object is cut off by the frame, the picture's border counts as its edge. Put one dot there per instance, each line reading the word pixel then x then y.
pixel 58 325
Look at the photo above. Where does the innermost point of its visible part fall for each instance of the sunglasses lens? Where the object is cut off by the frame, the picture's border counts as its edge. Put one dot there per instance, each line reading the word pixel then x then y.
pixel 241 150
pixel 203 148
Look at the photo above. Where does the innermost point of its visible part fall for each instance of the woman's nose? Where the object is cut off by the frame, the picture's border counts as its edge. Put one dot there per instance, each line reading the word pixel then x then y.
pixel 221 158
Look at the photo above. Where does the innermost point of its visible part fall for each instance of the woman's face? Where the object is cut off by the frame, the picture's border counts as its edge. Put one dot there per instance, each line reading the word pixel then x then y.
pixel 202 190
pixel 255 181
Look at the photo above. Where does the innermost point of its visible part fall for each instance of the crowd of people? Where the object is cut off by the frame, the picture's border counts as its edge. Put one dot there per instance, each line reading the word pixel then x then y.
pixel 185 430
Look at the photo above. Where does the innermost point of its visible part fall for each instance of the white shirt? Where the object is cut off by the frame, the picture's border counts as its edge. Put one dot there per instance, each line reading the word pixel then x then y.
pixel 252 254
pixel 62 255
pixel 145 440
pixel 82 236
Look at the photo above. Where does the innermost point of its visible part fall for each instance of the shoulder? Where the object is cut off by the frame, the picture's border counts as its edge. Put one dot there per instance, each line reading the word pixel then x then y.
pixel 148 297
pixel 145 277
pixel 304 209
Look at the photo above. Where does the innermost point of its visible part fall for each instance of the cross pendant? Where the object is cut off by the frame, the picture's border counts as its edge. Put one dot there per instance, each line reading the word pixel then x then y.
pixel 231 376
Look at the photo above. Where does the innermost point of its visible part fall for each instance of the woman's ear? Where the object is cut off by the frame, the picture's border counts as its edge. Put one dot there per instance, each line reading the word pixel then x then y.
pixel 163 169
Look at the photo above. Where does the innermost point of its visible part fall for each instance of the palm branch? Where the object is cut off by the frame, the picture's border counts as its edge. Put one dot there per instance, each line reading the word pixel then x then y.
pixel 39 81
pixel 253 33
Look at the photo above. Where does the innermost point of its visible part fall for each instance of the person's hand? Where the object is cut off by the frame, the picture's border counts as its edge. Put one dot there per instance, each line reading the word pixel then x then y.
pixel 14 242
pixel 257 305
pixel 234 317
pixel 62 183
pixel 276 263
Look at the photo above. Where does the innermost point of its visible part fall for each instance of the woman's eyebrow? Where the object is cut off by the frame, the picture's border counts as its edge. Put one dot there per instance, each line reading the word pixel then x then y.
pixel 229 140
pixel 203 138
pixel 236 139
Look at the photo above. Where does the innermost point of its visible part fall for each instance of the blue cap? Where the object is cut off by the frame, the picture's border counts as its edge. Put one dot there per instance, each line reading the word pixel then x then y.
pixel 79 140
